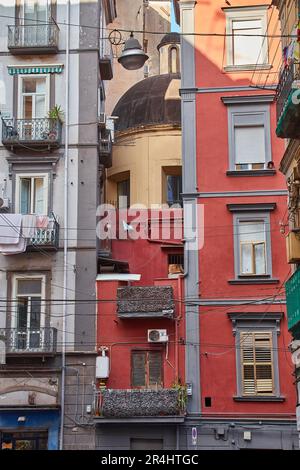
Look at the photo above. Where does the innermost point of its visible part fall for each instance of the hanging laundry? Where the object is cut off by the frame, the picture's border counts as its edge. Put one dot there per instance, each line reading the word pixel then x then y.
pixel 10 228
pixel 29 225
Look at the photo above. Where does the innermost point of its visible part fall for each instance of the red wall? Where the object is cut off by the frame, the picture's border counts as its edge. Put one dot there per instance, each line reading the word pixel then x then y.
pixel 125 335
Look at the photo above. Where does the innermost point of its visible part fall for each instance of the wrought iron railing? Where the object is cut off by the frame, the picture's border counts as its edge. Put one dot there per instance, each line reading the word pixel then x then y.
pixel 134 402
pixel 35 340
pixel 35 131
pixel 33 36
pixel 286 78
pixel 48 236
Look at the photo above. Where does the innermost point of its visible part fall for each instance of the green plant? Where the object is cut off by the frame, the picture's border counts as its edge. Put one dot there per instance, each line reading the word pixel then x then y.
pixel 182 395
pixel 56 113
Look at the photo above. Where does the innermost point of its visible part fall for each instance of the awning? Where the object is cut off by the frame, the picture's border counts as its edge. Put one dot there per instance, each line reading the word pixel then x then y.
pixel 24 69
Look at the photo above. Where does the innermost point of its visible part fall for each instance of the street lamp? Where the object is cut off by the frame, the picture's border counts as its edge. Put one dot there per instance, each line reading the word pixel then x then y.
pixel 133 57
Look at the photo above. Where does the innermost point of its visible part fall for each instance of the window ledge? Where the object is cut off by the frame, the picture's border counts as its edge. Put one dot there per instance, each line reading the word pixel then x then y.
pixel 254 280
pixel 251 172
pixel 260 398
pixel 238 68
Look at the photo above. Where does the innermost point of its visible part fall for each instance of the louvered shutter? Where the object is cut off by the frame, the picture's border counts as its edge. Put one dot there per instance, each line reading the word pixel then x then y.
pixel 263 360
pixel 248 364
pixel 155 368
pixel 257 370
pixel 138 369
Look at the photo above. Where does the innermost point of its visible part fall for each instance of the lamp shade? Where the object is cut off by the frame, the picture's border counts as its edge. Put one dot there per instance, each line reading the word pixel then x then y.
pixel 133 57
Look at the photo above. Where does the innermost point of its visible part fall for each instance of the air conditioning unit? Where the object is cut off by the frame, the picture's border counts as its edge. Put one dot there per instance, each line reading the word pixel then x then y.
pixel 102 120
pixel 157 336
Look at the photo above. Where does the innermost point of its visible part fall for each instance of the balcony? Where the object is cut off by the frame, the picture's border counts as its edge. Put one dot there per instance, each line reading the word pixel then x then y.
pixel 31 341
pixel 293 247
pixel 119 404
pixel 145 302
pixel 105 148
pixel 106 59
pixel 288 110
pixel 45 238
pixel 33 39
pixel 28 133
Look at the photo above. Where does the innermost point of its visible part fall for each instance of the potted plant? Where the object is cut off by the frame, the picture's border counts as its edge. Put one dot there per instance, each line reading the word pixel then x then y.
pixel 56 113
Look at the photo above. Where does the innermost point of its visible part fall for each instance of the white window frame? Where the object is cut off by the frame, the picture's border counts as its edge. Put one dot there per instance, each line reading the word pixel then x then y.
pixel 252 217
pixel 25 277
pixel 20 93
pixel 246 13
pixel 45 177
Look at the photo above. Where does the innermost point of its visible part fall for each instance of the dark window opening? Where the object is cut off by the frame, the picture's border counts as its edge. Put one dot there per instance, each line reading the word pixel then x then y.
pixel 207 402
pixel 123 194
pixel 174 190
pixel 146 369
pixel 176 263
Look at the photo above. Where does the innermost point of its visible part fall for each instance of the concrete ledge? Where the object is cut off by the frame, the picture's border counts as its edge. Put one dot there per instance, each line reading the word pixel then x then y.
pixel 140 419
pixel 251 173
pixel 256 399
pixel 253 281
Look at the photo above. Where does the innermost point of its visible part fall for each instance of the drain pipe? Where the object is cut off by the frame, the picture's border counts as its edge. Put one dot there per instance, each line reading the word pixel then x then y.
pixel 66 224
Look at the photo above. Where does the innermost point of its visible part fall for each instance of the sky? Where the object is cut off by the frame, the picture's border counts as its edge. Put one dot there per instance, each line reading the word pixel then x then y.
pixel 174 25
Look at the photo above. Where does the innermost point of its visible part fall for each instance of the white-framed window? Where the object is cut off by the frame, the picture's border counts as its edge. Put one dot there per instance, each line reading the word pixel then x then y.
pixel 33 96
pixel 252 245
pixel 33 12
pixel 32 194
pixel 246 44
pixel 28 311
pixel 249 137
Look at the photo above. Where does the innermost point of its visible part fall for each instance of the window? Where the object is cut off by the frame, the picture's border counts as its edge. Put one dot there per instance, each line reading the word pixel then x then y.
pixel 249 137
pixel 123 194
pixel 30 316
pixel 33 96
pixel 246 45
pixel 256 341
pixel 252 240
pixel 146 369
pixel 32 194
pixel 175 264
pixel 173 59
pixel 257 363
pixel 174 190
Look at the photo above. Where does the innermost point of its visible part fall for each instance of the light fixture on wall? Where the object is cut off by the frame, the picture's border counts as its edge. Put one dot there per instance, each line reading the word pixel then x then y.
pixel 21 419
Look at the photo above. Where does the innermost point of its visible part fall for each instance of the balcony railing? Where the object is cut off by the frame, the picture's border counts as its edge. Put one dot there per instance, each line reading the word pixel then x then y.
pixel 133 403
pixel 40 340
pixel 288 112
pixel 287 76
pixel 47 237
pixel 33 38
pixel 106 59
pixel 105 148
pixel 44 132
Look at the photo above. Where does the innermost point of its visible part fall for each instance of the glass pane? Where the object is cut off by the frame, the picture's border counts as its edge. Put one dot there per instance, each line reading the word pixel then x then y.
pixel 27 109
pixel 247 49
pixel 29 85
pixel 29 286
pixel 22 313
pixel 40 85
pixel 40 106
pixel 35 314
pixel 123 193
pixel 246 259
pixel 174 189
pixel 39 191
pixel 25 184
pixel 260 259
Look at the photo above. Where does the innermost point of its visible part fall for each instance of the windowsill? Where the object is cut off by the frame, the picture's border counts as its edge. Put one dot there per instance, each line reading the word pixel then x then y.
pixel 260 398
pixel 249 67
pixel 264 279
pixel 251 172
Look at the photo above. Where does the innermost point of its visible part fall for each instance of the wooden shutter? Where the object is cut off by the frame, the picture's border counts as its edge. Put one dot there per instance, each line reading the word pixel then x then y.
pixel 155 368
pixel 138 371
pixel 257 368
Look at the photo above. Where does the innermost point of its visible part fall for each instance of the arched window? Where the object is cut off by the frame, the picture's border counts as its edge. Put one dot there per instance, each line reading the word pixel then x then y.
pixel 173 59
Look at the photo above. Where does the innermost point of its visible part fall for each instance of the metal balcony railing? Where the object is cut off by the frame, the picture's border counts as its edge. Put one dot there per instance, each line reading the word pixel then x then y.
pixel 48 236
pixel 33 37
pixel 147 402
pixel 39 340
pixel 286 78
pixel 18 132
pixel 105 142
pixel 106 58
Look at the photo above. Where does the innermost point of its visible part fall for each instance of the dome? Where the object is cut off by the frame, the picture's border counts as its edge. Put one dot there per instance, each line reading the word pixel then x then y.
pixel 152 101
pixel 169 38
